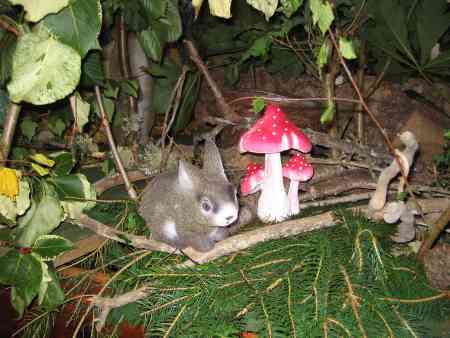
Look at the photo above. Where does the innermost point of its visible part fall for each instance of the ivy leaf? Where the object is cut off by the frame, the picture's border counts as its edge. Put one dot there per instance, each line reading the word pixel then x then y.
pixel 44 70
pixel 75 208
pixel 92 70
pixel 24 273
pixel 268 7
pixel 322 14
pixel 55 294
pixel 169 27
pixel 68 186
pixel 28 128
pixel 220 8
pixel 347 49
pixel 130 87
pixel 151 44
pixel 42 159
pixel 78 25
pixel 324 52
pixel 41 218
pixel 64 163
pixel 51 246
pixel 37 9
pixel 56 125
pixel 259 48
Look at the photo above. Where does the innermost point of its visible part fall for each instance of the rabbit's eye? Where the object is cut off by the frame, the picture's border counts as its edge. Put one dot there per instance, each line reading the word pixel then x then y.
pixel 206 205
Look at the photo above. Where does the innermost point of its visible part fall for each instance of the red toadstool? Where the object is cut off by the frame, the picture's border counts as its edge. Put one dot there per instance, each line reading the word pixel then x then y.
pixel 297 170
pixel 252 182
pixel 271 135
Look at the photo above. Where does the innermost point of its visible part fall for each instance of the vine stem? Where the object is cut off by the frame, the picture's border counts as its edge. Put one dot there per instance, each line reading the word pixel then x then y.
pixel 9 127
pixel 131 192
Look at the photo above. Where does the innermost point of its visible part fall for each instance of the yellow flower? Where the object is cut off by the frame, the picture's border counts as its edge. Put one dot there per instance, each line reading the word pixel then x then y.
pixel 9 182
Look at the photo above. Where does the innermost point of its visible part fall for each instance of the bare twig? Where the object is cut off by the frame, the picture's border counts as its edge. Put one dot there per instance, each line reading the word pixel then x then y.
pixel 9 127
pixel 107 183
pixel 106 304
pixel 225 109
pixel 131 192
pixel 9 26
pixel 438 227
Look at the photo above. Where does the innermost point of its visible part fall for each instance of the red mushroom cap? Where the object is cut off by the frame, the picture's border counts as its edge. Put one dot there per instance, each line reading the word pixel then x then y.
pixel 297 169
pixel 252 181
pixel 274 133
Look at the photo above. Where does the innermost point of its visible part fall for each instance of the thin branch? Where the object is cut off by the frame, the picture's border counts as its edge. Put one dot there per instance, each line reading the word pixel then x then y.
pixel 225 109
pixel 131 192
pixel 9 127
pixel 436 230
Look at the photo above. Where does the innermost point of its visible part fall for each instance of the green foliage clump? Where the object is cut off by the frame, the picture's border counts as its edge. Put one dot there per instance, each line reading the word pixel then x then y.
pixel 340 282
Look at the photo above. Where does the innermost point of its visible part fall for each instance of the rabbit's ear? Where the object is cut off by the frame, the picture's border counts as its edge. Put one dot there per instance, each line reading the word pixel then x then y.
pixel 212 162
pixel 187 175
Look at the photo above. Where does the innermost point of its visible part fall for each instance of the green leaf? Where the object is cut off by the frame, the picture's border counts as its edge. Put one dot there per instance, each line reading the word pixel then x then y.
pixel 328 114
pixel 92 70
pixel 56 125
pixel 150 43
pixel 24 273
pixel 44 70
pixel 75 208
pixel 28 128
pixel 82 110
pixel 8 209
pixel 4 102
pixel 55 294
pixel 41 219
pixel 169 27
pixel 42 159
pixel 68 186
pixel 289 7
pixel 64 163
pixel 268 7
pixel 8 43
pixel 324 53
pixel 130 87
pixel 433 20
pixel 190 94
pixel 51 246
pixel 347 49
pixel 17 302
pixel 322 14
pixel 260 48
pixel 78 25
pixel 258 105
pixel 37 9
pixel 155 9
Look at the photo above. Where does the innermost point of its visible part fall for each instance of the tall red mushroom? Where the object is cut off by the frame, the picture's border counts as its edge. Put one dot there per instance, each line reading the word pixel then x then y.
pixel 297 169
pixel 271 135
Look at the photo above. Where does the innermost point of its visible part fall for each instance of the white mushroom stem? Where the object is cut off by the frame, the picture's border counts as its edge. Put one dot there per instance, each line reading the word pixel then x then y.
pixel 273 204
pixel 294 207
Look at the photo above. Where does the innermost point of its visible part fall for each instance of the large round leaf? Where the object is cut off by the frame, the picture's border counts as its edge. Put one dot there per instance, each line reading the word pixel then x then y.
pixel 37 9
pixel 78 25
pixel 44 70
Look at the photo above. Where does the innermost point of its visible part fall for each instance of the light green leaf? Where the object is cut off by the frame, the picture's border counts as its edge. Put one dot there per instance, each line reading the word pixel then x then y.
pixel 258 105
pixel 8 208
pixel 328 114
pixel 17 302
pixel 74 209
pixel 289 7
pixel 28 128
pixel 151 44
pixel 347 49
pixel 51 246
pixel 78 25
pixel 268 7
pixel 56 125
pixel 42 159
pixel 82 109
pixel 197 5
pixel 64 163
pixel 44 70
pixel 322 14
pixel 37 9
pixel 41 219
pixel 40 169
pixel 324 52
pixel 220 8
pixel 169 27
pixel 44 281
pixel 23 197
pixel 54 295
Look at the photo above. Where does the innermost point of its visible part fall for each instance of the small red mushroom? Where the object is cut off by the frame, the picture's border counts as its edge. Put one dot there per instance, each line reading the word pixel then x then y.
pixel 271 135
pixel 252 182
pixel 297 169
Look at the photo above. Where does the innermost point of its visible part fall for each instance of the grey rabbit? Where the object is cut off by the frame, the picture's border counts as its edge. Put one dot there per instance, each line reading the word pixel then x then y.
pixel 191 207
